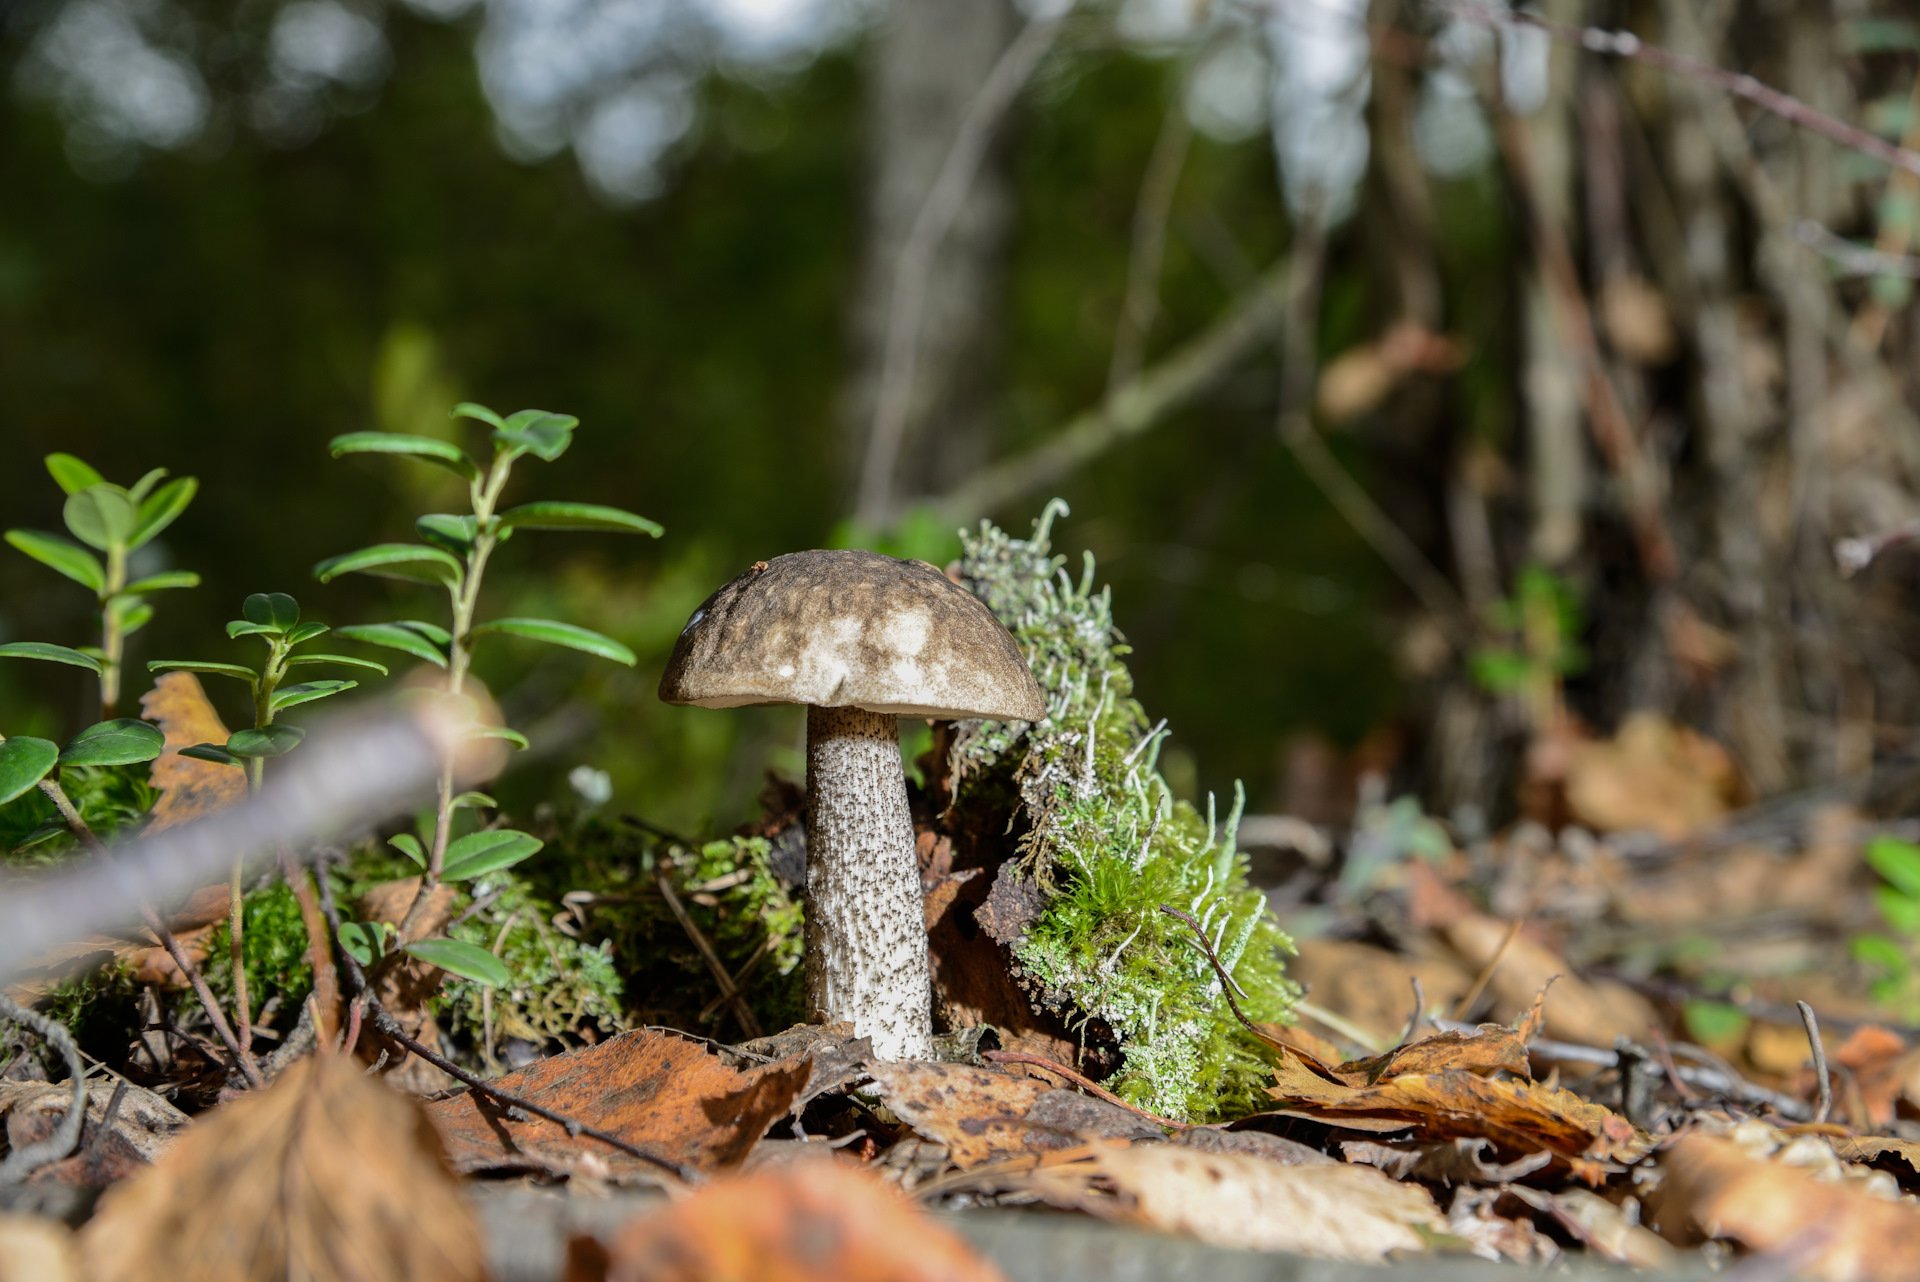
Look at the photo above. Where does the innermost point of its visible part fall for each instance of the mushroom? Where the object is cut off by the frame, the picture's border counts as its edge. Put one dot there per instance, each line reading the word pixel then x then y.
pixel 862 640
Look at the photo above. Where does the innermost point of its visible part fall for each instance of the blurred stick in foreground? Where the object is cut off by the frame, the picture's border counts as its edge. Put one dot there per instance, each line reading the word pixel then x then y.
pixel 355 771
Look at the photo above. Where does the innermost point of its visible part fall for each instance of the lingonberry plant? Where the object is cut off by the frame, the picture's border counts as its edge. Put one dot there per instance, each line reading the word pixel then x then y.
pixel 453 553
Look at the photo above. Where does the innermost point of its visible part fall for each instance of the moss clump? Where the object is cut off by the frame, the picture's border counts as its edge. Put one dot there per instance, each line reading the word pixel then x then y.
pixel 274 952
pixel 564 989
pixel 1112 844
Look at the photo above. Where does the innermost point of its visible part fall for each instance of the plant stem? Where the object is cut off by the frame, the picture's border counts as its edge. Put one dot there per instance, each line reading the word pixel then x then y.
pixel 236 890
pixel 465 597
pixel 112 640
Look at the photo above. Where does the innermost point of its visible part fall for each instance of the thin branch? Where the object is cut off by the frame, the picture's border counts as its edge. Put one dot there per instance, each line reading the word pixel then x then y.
pixel 741 1011
pixel 1851 259
pixel 907 302
pixel 1250 322
pixel 28 1158
pixel 1811 1023
pixel 1624 44
pixel 1085 1084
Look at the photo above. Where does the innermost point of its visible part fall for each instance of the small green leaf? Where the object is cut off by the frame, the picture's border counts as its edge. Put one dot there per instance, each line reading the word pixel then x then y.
pixel 412 561
pixel 576 516
pixel 458 957
pixel 129 614
pixel 268 741
pixel 25 762
pixel 1902 911
pixel 467 409
pixel 144 486
pixel 100 516
pixel 552 632
pixel 536 432
pixel 274 610
pixel 1714 1023
pixel 237 671
pixel 475 801
pixel 61 555
pixel 345 661
pixel 243 628
pixel 1882 952
pixel 511 736
pixel 161 509
pixel 479 853
pixel 396 636
pixel 48 653
pixel 302 633
pixel 163 581
pixel 211 752
pixel 364 941
pixel 307 692
pixel 425 448
pixel 1896 860
pixel 122 742
pixel 70 474
pixel 454 533
pixel 409 845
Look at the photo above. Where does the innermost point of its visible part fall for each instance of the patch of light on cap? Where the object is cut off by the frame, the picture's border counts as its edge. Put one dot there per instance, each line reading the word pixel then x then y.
pixel 786 669
pixel 907 631
pixel 697 616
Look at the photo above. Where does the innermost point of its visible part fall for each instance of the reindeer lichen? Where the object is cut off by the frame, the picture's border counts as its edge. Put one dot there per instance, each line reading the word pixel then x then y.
pixel 1110 843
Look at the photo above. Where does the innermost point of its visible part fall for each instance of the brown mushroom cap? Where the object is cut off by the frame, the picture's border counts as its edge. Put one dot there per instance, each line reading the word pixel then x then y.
pixel 841 629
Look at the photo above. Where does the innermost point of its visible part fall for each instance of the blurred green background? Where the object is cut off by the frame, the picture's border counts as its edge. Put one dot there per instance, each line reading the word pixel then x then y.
pixel 712 228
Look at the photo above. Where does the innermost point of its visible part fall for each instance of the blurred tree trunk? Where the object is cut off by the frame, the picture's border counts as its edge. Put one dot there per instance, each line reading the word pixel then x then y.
pixel 925 65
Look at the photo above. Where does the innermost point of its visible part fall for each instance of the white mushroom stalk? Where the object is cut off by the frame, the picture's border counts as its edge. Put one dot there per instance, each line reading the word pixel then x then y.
pixel 862 640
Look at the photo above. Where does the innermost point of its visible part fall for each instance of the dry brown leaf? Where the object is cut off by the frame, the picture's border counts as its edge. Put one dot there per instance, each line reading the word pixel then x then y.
pixel 144 1125
pixel 670 1096
pixel 1449 1162
pixel 1605 1228
pixel 325 1176
pixel 189 788
pixel 1652 776
pixel 980 1114
pixel 37 1250
pixel 1832 1231
pixel 806 1221
pixel 1234 1200
pixel 1519 1118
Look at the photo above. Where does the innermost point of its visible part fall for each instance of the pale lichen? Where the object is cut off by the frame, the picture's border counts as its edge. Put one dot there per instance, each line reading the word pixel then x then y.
pixel 1111 845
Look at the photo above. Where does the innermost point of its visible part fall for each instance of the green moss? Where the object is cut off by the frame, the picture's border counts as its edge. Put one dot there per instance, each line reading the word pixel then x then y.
pixel 1111 844
pixel 274 944
pixel 563 988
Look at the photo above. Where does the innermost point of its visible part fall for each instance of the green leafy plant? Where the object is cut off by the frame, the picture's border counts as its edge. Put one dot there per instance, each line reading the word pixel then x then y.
pixel 1543 622
pixel 1894 957
pixel 115 522
pixel 452 552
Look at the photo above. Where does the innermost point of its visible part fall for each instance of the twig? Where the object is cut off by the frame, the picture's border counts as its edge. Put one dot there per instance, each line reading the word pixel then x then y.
pixel 1624 44
pixel 360 770
pixel 1227 986
pixel 384 1024
pixel 27 1159
pixel 1091 1087
pixel 1144 402
pixel 1151 211
pixel 1812 1024
pixel 907 302
pixel 242 1056
pixel 1856 554
pixel 1485 977
pixel 1419 1015
pixel 741 1011
pixel 1851 259
pixel 1294 423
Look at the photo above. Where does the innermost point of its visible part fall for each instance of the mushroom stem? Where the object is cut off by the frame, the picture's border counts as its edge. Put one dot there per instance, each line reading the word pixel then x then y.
pixel 866 918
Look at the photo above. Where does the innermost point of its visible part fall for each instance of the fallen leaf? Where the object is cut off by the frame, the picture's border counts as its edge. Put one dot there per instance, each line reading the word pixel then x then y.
pixel 1236 1200
pixel 37 1250
pixel 670 1096
pixel 1653 776
pixel 144 1125
pixel 808 1221
pixel 980 1114
pixel 189 788
pixel 326 1176
pixel 1605 1228
pixel 1832 1231
pixel 1448 1162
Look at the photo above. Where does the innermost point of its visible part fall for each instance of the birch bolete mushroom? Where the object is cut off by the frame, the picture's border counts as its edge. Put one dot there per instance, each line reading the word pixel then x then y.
pixel 862 640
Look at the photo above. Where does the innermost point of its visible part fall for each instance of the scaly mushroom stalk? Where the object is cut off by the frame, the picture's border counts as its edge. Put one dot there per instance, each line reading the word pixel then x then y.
pixel 866 929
